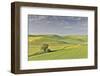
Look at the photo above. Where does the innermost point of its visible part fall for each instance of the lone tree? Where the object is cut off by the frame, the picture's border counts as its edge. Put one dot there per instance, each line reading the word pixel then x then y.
pixel 45 48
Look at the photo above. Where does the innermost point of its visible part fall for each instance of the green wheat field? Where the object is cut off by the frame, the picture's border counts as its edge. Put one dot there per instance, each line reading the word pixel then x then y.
pixel 62 47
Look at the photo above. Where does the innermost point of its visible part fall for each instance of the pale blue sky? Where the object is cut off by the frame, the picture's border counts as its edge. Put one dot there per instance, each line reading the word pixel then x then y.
pixel 61 25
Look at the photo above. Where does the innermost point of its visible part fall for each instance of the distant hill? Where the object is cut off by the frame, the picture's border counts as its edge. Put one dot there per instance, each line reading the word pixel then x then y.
pixel 56 39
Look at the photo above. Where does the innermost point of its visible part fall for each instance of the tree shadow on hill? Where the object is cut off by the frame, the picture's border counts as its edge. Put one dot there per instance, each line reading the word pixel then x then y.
pixel 47 51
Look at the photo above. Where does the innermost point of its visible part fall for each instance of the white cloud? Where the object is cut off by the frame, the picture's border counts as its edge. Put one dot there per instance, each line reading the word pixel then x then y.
pixel 68 27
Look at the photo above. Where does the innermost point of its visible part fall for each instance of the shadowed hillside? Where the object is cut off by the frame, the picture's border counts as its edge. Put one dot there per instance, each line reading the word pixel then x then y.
pixel 61 47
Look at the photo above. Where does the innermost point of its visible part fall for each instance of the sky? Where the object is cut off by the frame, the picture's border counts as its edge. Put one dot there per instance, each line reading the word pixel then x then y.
pixel 59 25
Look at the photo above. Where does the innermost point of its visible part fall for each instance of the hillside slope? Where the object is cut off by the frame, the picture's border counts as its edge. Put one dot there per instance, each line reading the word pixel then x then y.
pixel 71 47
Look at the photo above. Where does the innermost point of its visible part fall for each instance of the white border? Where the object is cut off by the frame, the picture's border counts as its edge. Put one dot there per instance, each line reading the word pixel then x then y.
pixel 25 64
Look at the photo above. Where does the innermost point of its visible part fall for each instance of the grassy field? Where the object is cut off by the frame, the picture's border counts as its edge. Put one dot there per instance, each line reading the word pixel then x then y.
pixel 64 47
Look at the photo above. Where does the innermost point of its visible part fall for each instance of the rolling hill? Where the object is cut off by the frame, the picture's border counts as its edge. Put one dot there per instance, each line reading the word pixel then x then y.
pixel 67 47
